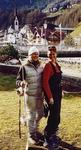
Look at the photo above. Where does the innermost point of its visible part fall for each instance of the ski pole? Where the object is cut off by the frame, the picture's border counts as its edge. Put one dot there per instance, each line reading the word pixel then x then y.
pixel 19 117
pixel 26 114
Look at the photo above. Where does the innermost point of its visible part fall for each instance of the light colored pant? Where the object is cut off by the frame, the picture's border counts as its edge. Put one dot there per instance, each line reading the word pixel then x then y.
pixel 34 114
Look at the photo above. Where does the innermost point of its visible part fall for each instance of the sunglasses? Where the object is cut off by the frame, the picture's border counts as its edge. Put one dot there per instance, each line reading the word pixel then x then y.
pixel 52 48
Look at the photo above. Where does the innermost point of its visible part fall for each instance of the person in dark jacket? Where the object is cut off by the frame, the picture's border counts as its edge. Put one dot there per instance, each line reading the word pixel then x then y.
pixel 52 75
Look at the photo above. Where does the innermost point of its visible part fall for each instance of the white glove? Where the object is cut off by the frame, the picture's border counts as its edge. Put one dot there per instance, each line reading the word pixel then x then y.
pixel 23 83
pixel 20 91
pixel 51 101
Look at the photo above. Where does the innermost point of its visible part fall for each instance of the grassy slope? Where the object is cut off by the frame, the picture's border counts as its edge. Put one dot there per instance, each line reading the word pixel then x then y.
pixel 70 120
pixel 70 127
pixel 77 31
pixel 9 138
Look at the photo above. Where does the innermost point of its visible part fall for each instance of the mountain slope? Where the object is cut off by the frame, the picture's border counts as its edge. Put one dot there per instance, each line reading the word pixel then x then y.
pixel 69 18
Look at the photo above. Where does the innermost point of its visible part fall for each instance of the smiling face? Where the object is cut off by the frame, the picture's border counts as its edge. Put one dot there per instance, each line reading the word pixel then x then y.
pixel 35 56
pixel 52 54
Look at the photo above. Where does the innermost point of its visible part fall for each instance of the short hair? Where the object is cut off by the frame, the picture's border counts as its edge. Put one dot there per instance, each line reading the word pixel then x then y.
pixel 52 48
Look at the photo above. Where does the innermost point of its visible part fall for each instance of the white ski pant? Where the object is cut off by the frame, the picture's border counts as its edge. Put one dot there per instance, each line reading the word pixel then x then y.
pixel 34 114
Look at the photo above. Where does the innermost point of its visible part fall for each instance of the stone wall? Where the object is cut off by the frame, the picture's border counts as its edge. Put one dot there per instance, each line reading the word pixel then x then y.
pixel 70 83
pixel 9 69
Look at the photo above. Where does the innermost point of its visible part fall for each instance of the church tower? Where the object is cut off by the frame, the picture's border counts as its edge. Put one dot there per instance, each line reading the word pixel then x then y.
pixel 16 24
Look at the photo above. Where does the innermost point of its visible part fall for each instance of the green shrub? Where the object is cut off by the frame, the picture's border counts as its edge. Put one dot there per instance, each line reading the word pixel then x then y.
pixel 10 51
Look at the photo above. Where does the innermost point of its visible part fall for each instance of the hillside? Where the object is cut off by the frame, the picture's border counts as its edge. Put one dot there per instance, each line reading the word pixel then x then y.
pixel 25 17
pixel 27 13
pixel 70 17
pixel 76 35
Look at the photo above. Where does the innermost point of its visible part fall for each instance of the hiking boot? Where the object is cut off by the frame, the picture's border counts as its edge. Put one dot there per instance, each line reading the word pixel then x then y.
pixel 55 138
pixel 53 146
pixel 54 142
pixel 38 137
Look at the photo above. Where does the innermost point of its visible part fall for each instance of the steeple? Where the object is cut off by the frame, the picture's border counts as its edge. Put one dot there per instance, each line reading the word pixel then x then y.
pixel 16 22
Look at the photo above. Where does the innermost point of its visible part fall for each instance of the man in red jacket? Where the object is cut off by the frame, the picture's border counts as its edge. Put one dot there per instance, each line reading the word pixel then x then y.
pixel 52 75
